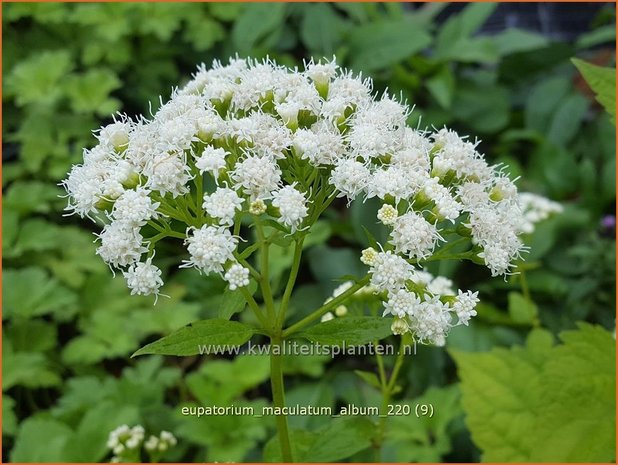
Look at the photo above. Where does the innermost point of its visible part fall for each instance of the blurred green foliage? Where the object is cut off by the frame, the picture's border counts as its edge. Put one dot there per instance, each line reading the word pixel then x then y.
pixel 69 327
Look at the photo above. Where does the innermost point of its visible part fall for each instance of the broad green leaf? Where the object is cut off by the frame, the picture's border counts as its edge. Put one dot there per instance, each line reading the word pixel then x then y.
pixel 203 32
pixel 226 11
pixel 38 79
pixel 89 92
pixel 597 36
pixel 377 46
pixel 541 403
pixel 30 292
pixel 543 100
pixel 522 310
pixel 427 438
pixel 28 369
pixel 349 331
pixel 602 81
pixel 88 443
pixel 255 22
pixel 567 120
pixel 320 29
pixel 41 440
pixel 215 334
pixel 31 196
pixel 454 42
pixel 232 302
pixel 9 419
pixel 334 442
pixel 488 111
pixel 37 235
pixel 32 335
pixel 442 87
pixel 329 264
pixel 518 40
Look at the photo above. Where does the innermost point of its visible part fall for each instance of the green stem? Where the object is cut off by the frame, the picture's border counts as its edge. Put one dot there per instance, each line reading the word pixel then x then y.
pixel 254 306
pixel 276 380
pixel 265 278
pixel 387 392
pixel 326 307
pixel 285 300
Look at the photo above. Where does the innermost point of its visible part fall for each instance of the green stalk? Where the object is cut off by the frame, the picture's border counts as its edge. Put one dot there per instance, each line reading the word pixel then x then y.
pixel 278 393
pixel 265 278
pixel 285 300
pixel 325 308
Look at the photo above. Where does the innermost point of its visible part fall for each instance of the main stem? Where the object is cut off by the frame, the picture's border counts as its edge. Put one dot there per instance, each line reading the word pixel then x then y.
pixel 276 382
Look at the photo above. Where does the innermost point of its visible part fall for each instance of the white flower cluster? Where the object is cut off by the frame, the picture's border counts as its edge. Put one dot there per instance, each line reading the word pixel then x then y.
pixel 536 208
pixel 160 443
pixel 124 439
pixel 256 138
pixel 422 304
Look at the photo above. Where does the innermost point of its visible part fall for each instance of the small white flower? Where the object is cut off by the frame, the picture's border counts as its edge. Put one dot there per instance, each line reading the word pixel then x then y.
pixel 401 303
pixel 211 161
pixel 341 310
pixel 387 214
pixel 399 326
pixel 237 276
pixel 440 286
pixel 292 208
pixel 143 278
pixel 257 207
pixel 210 247
pixel 414 236
pixel 121 244
pixel 369 256
pixel 464 306
pixel 350 177
pixel 258 176
pixel 222 205
pixel 135 207
pixel 390 272
pixel 327 317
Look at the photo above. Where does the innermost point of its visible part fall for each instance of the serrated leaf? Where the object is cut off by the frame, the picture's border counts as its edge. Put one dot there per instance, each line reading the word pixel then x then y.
pixel 602 81
pixel 233 302
pixel 41 440
pixel 543 403
pixel 349 331
pixel 187 341
pixel 334 442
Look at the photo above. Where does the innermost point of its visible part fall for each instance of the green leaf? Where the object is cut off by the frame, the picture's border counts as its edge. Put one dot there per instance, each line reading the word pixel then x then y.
pixel 255 22
pixel 369 377
pixel 336 441
pixel 89 92
pixel 377 46
pixel 9 419
pixel 187 341
pixel 38 78
pixel 522 310
pixel 518 40
pixel 233 302
pixel 32 292
pixel 349 331
pixel 320 29
pixel 32 335
pixel 442 87
pixel 226 11
pixel 41 440
pixel 567 119
pixel 542 403
pixel 602 81
pixel 31 196
pixel 454 42
pixel 486 112
pixel 543 100
pixel 28 369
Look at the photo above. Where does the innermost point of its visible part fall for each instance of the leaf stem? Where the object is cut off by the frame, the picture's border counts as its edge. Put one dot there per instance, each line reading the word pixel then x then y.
pixel 326 307
pixel 285 300
pixel 278 393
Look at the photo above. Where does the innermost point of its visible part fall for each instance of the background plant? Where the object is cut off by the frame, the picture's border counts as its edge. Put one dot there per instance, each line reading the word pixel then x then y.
pixel 69 327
